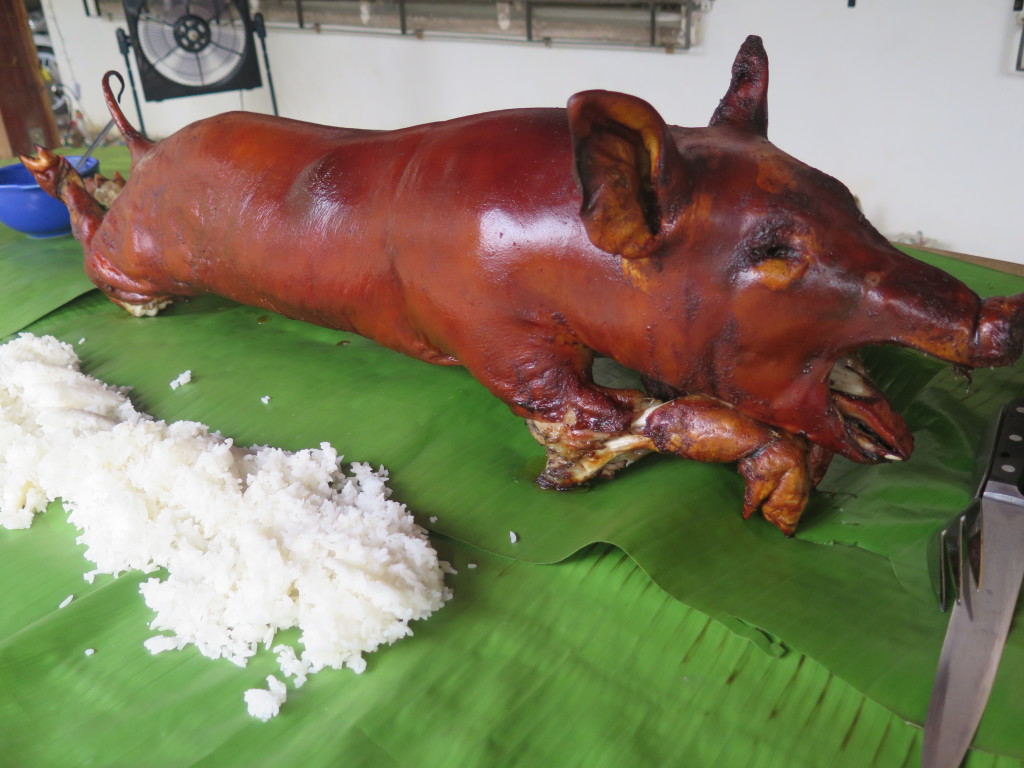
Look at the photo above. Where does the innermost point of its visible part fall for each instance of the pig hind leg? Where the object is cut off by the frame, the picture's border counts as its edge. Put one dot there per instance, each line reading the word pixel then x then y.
pixel 55 175
pixel 140 298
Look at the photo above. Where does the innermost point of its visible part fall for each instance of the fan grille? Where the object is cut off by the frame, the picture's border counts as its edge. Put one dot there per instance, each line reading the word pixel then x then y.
pixel 193 43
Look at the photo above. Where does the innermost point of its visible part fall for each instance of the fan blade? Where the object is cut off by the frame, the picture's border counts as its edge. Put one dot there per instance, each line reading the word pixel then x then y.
pixel 231 51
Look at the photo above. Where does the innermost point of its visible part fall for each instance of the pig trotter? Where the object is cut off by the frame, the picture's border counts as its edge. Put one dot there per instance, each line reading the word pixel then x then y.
pixel 779 469
pixel 778 480
pixel 819 458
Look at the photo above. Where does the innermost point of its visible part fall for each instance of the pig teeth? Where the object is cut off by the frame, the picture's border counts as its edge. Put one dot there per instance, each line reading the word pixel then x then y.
pixel 866 445
pixel 849 377
pixel 863 436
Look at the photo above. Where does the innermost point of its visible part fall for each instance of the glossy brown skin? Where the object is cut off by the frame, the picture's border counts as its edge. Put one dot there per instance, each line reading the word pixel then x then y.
pixel 522 243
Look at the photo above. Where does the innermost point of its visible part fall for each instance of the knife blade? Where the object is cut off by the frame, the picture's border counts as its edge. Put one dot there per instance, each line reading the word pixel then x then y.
pixel 980 619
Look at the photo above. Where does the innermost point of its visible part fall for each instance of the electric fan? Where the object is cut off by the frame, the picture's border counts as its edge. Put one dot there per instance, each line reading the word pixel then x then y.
pixel 188 47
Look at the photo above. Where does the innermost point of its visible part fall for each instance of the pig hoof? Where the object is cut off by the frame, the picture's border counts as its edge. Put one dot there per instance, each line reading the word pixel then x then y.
pixel 47 168
pixel 778 480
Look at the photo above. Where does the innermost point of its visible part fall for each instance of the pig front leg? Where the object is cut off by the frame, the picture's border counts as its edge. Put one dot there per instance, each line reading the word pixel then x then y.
pixel 779 469
pixel 592 431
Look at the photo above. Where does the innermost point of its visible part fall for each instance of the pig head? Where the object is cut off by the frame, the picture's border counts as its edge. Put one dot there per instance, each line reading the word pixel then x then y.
pixel 520 244
pixel 755 280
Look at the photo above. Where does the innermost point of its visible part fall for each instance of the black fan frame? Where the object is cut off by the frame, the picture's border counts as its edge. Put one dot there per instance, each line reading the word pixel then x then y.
pixel 156 87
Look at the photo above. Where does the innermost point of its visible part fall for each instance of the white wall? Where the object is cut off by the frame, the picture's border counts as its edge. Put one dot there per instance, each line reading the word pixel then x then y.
pixel 913 104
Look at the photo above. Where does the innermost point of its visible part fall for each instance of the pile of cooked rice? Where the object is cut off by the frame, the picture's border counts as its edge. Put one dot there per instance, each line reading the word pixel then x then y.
pixel 250 540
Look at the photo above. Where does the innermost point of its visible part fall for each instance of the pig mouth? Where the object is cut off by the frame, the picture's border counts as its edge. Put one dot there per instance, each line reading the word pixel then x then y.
pixel 874 431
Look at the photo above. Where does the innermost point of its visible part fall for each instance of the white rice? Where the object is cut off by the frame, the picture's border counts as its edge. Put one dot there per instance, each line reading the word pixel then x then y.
pixel 182 378
pixel 265 703
pixel 251 540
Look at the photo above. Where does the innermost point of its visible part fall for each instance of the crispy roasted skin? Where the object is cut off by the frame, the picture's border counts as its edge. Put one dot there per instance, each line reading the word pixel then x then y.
pixel 737 280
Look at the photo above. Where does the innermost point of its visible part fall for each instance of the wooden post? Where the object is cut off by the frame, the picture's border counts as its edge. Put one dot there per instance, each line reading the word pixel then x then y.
pixel 25 115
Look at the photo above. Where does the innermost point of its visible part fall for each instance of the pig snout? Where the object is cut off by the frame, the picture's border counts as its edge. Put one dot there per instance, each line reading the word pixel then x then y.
pixel 916 305
pixel 999 335
pixel 963 329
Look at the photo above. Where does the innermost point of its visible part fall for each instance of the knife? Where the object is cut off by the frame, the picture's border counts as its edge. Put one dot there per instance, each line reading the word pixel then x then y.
pixel 980 556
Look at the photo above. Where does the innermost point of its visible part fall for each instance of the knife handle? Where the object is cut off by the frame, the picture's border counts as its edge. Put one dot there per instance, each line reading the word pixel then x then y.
pixel 1007 463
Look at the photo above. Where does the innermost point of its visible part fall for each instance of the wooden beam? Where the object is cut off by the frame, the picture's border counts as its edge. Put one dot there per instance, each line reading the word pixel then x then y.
pixel 25 115
pixel 1009 267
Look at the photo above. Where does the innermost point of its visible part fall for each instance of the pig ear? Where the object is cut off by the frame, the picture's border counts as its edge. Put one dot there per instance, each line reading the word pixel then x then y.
pixel 745 104
pixel 625 161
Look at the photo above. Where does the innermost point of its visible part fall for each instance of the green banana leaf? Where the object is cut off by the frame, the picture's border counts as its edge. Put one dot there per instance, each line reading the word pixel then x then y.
pixel 849 594
pixel 580 664
pixel 40 278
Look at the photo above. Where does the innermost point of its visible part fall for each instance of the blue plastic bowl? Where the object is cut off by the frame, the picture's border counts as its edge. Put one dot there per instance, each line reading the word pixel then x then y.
pixel 24 206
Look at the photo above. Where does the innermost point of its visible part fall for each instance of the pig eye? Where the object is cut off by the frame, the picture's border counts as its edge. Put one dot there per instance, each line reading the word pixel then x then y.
pixel 777 267
pixel 775 252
